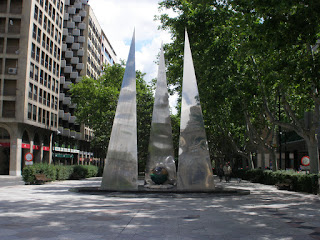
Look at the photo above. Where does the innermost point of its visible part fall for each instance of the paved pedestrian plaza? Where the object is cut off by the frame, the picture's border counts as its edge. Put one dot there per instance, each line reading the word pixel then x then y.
pixel 51 211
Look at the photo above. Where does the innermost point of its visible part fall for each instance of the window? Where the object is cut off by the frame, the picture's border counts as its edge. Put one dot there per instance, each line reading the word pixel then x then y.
pixel 52 119
pixel 48 100
pixel 52 101
pixel 53 84
pixel 54 67
pixel 40 17
pixel 46 3
pixel 29 110
pixel 34 31
pixel 41 76
pixel 58 57
pixel 41 3
pixel 50 9
pixel 57 70
pixel 49 81
pixel 42 58
pixel 35 93
pixel 51 46
pixel 30 90
pixel 53 14
pixel 31 70
pixel 55 103
pixel 39 35
pixel 46 61
pixel 35 12
pixel 43 116
pixel 34 112
pixel 47 43
pixel 55 120
pixel 45 23
pixel 43 40
pixel 39 115
pixel 48 26
pixel 45 79
pixel 36 71
pixel 33 49
pixel 59 37
pixel 38 54
pixel 56 35
pixel 60 22
pixel 55 51
pixel 52 30
pixel 47 118
pixel 50 64
pixel 44 99
pixel 40 95
pixel 61 7
pixel 57 86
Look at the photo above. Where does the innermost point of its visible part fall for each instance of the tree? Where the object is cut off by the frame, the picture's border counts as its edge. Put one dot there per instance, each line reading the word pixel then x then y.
pixel 96 102
pixel 247 56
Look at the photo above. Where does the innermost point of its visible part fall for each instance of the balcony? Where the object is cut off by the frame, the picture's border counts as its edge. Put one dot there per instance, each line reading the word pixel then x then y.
pixel 80 66
pixel 74 75
pixel 64 47
pixel 66 132
pixel 67 100
pixel 78 5
pixel 72 105
pixel 74 60
pixel 72 119
pixel 66 16
pixel 83 1
pixel 78 136
pixel 68 69
pixel 73 134
pixel 83 13
pixel 75 46
pixel 61 113
pixel 62 79
pixel 67 85
pixel 69 39
pixel 60 129
pixel 61 96
pixel 72 10
pixel 82 26
pixel 65 31
pixel 78 79
pixel 69 54
pixel 71 24
pixel 77 18
pixel 81 39
pixel 66 116
pixel 63 63
pixel 80 52
pixel 76 32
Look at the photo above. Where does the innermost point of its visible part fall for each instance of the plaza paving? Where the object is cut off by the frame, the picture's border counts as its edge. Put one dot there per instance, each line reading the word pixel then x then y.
pixel 50 211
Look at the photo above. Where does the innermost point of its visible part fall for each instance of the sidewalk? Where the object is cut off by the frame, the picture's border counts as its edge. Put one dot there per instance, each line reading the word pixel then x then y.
pixel 50 211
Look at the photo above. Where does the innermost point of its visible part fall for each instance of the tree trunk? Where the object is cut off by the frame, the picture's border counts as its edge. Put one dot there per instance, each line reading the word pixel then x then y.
pixel 273 158
pixel 313 152
pixel 250 162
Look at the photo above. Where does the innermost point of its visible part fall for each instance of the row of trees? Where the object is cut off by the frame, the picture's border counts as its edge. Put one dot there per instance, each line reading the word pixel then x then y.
pixel 257 67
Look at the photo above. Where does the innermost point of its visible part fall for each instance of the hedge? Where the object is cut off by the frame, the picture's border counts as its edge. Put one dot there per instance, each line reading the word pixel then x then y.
pixel 300 182
pixel 59 172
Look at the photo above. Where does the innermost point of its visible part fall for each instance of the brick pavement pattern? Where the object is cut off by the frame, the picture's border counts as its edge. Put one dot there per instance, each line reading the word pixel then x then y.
pixel 50 211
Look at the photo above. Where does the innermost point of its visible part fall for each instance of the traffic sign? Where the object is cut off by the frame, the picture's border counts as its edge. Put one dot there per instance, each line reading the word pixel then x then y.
pixel 305 161
pixel 28 157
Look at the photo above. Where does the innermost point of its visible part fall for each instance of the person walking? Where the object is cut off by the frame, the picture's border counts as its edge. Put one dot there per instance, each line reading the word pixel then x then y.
pixel 227 172
pixel 220 172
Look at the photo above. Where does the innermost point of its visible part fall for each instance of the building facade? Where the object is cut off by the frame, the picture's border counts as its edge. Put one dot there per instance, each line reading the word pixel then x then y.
pixel 45 45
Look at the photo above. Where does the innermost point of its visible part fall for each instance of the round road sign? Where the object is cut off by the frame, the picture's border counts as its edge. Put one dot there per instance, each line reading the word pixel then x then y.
pixel 28 157
pixel 305 161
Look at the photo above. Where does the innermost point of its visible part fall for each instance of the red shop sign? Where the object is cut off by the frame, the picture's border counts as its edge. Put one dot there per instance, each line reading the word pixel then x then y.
pixel 46 148
pixel 25 145
pixel 36 147
pixel 4 144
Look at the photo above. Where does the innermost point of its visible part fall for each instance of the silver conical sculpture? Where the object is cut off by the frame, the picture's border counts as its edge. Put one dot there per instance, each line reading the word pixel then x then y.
pixel 194 165
pixel 121 167
pixel 161 153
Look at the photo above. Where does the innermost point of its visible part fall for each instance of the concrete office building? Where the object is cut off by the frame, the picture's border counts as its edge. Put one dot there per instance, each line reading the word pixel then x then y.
pixel 30 55
pixel 84 51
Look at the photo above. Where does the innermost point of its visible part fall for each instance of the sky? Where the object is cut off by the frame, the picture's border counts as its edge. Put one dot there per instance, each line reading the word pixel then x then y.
pixel 119 18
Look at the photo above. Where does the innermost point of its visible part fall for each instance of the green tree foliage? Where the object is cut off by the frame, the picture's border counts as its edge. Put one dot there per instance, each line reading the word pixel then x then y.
pixel 96 102
pixel 250 58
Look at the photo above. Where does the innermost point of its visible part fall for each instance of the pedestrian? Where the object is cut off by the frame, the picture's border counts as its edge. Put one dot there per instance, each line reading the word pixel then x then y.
pixel 227 172
pixel 220 172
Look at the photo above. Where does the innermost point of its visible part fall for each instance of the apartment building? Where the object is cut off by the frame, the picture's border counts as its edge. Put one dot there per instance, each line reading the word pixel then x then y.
pixel 30 56
pixel 85 49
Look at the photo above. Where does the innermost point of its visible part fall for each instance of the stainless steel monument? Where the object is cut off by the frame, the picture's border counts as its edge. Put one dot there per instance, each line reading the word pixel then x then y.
pixel 161 153
pixel 121 167
pixel 194 165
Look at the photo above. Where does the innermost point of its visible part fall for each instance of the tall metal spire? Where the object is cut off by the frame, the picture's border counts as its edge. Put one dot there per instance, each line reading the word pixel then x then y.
pixel 161 151
pixel 121 167
pixel 194 166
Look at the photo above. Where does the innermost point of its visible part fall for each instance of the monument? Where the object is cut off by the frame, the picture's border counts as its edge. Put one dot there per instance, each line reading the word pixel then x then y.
pixel 121 167
pixel 160 167
pixel 194 165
